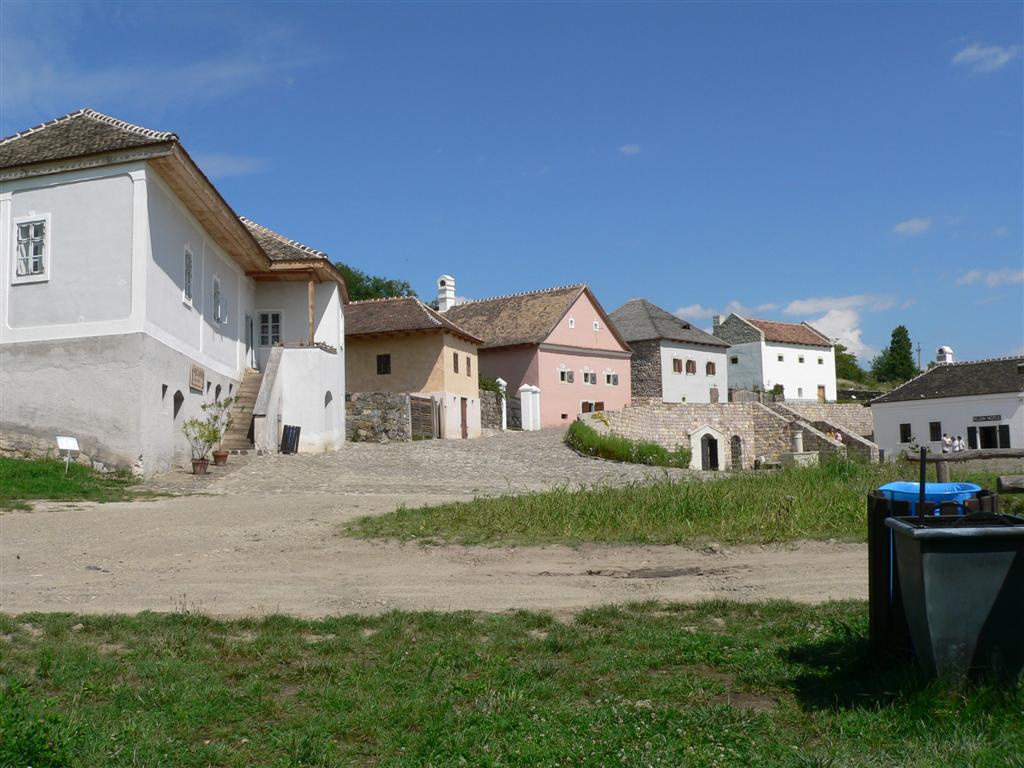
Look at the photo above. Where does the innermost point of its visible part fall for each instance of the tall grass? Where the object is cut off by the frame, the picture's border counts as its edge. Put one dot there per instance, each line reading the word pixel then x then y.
pixel 586 440
pixel 824 502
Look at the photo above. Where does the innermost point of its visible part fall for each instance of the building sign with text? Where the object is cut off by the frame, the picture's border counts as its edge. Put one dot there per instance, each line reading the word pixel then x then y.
pixel 197 378
pixel 988 418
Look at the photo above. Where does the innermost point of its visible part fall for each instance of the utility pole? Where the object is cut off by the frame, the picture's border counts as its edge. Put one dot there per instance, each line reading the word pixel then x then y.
pixel 919 355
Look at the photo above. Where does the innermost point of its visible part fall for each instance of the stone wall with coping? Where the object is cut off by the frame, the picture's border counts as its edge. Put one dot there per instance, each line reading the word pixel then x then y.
pixel 377 417
pixel 846 417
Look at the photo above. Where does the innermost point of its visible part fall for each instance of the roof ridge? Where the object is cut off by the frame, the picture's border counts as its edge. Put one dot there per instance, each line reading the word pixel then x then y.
pixel 522 293
pixel 382 299
pixel 294 243
pixel 427 311
pixel 92 113
pixel 982 360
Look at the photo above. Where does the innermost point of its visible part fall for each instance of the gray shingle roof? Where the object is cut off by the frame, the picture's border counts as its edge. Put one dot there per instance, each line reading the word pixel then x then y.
pixel 640 320
pixel 977 377
pixel 405 313
pixel 85 132
pixel 278 247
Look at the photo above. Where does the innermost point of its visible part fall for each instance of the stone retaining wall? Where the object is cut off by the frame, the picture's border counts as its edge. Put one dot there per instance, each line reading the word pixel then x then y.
pixel 490 409
pixel 377 417
pixel 845 417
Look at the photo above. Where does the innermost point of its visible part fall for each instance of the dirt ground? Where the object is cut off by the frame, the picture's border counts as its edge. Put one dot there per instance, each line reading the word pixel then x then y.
pixel 263 539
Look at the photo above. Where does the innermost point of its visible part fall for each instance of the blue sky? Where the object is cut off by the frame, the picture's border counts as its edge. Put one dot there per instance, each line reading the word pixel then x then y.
pixel 854 165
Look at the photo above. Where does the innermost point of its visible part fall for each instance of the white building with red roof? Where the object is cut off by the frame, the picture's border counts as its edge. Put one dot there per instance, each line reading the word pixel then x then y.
pixel 764 354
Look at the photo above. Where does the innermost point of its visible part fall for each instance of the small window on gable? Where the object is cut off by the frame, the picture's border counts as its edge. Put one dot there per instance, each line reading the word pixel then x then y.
pixel 677 365
pixel 455 360
pixel 32 255
pixel 597 326
pixel 572 322
pixel 735 359
pixel 780 358
pixel 691 367
pixel 186 291
pixel 383 365
pixel 709 368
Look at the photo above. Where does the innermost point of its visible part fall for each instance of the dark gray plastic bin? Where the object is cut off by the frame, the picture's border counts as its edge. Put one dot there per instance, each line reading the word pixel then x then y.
pixel 962 583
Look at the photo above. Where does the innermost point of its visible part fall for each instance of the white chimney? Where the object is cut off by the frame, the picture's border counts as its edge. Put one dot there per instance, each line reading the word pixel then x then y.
pixel 445 293
pixel 944 355
pixel 716 321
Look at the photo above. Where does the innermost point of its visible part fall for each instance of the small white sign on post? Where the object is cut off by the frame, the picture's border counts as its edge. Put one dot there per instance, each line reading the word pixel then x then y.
pixel 69 445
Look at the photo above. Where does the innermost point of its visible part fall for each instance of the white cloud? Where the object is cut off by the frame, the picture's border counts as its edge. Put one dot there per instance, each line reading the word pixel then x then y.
pixel 912 227
pixel 986 58
pixel 220 165
pixel 869 302
pixel 1001 231
pixel 694 311
pixel 843 325
pixel 993 278
pixel 630 149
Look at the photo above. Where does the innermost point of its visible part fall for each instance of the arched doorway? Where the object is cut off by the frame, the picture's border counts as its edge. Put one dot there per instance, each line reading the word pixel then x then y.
pixel 736 451
pixel 708 453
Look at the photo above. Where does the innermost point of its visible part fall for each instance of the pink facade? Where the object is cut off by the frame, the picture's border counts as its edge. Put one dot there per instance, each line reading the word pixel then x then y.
pixel 581 344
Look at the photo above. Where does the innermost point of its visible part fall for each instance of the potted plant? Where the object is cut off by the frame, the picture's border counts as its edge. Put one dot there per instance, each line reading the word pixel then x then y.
pixel 201 435
pixel 219 415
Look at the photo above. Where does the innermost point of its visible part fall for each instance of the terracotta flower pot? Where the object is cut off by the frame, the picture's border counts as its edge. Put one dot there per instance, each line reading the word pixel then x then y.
pixel 199 466
pixel 220 458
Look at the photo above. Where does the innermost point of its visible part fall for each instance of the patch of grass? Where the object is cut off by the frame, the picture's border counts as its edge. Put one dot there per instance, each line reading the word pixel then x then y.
pixel 24 480
pixel 585 439
pixel 824 502
pixel 713 684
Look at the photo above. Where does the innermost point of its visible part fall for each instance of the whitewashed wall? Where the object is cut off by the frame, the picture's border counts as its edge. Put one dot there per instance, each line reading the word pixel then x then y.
pixel 956 414
pixel 746 373
pixel 800 380
pixel 695 388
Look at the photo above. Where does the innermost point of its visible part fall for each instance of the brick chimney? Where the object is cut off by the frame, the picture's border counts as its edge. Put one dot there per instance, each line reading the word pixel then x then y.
pixel 445 293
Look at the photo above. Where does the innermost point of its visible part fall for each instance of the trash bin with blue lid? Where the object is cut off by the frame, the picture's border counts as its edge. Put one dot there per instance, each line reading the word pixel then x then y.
pixel 936 493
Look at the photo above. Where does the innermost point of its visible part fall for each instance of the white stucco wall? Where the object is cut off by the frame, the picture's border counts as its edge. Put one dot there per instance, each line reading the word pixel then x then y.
pixel 695 388
pixel 192 329
pixel 800 380
pixel 956 415
pixel 451 415
pixel 307 377
pixel 746 372
pixel 291 299
pixel 96 253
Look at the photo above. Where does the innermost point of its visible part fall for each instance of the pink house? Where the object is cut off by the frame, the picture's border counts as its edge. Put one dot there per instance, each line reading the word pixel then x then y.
pixel 559 340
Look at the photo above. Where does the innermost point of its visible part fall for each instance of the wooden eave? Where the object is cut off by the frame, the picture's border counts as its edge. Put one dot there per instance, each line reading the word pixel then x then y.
pixel 317 270
pixel 195 190
pixel 412 332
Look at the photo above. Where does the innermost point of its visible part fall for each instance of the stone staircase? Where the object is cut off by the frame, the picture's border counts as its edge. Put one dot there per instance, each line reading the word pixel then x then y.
pixel 238 437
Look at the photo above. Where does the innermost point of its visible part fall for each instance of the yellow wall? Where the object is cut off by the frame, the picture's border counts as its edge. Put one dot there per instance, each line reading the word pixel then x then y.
pixel 459 383
pixel 420 362
pixel 415 363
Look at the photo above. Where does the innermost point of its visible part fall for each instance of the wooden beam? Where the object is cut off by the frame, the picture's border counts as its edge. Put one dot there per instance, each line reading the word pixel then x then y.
pixel 311 288
pixel 984 453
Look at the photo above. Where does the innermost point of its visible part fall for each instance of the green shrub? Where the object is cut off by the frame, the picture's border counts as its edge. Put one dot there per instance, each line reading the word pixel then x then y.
pixel 489 385
pixel 586 440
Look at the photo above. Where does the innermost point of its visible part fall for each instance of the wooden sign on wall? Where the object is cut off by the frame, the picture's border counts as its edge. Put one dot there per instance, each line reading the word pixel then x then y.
pixel 197 378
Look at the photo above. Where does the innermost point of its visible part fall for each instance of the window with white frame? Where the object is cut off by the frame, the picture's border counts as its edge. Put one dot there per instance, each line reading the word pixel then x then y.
pixel 611 379
pixel 589 377
pixel 709 368
pixel 189 268
pixel 270 328
pixel 691 367
pixel 572 322
pixel 566 376
pixel 597 326
pixel 220 314
pixel 32 255
pixel 677 365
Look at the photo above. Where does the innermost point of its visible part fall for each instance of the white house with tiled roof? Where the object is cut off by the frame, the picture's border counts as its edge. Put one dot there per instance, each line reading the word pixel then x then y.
pixel 132 294
pixel 980 401
pixel 764 354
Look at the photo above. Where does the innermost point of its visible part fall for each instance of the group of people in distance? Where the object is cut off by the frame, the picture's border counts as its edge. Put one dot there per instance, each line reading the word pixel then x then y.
pixel 835 435
pixel 952 444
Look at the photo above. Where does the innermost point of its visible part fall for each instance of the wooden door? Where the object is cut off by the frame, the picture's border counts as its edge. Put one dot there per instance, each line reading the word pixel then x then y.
pixel 464 407
pixel 821 394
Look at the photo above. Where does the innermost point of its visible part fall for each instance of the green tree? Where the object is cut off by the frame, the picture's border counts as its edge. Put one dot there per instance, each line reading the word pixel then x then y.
pixel 847 366
pixel 895 362
pixel 363 286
